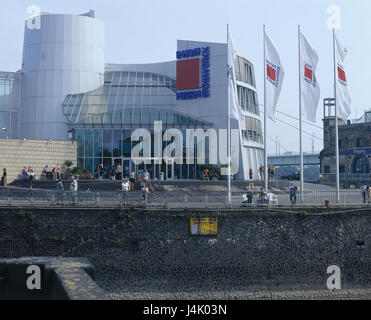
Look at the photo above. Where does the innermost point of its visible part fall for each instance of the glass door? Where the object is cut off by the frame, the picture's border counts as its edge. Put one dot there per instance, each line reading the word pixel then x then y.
pixel 123 166
pixel 170 169
pixel 126 167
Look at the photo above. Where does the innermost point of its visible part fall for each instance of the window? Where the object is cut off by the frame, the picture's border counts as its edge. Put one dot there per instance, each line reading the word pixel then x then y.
pixel 253 130
pixel 248 100
pixel 342 168
pixel 360 142
pixel 361 165
pixel 341 144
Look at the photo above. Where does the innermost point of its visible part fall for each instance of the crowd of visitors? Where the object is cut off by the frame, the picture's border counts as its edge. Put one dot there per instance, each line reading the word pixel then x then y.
pixel 53 174
pixel 28 176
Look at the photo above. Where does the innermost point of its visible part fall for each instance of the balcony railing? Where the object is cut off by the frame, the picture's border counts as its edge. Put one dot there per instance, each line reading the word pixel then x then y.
pixel 252 136
pixel 250 108
pixel 244 78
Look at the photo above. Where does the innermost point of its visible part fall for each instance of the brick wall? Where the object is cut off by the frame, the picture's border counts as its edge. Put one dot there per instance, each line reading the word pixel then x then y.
pixel 15 154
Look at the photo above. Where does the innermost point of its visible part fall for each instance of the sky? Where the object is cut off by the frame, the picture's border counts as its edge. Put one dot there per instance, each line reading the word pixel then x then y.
pixel 144 31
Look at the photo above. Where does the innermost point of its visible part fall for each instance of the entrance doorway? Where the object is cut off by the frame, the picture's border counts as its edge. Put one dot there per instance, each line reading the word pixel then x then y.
pixel 124 166
pixel 167 168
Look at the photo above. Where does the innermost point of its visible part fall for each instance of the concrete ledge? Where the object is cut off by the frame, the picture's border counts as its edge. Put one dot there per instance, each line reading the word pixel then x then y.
pixel 61 279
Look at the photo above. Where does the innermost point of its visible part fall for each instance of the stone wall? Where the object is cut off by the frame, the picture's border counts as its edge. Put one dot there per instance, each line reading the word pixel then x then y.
pixel 254 247
pixel 45 232
pixel 15 154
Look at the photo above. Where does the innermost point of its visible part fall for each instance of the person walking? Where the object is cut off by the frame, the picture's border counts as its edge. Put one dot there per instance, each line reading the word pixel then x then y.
pixel 132 179
pixel 73 189
pixel 368 194
pixel 293 190
pixel 100 172
pixel 261 198
pixel 251 174
pixel 58 170
pixel 250 194
pixel 125 187
pixel 30 177
pixel 145 192
pixel 113 173
pixel 120 174
pixel 147 179
pixel 4 179
pixel 261 172
pixel 364 192
pixel 60 192
pixel 24 177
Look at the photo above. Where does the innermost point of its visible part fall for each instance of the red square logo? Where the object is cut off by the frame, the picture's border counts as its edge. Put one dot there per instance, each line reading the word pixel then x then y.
pixel 308 73
pixel 271 73
pixel 188 74
pixel 341 75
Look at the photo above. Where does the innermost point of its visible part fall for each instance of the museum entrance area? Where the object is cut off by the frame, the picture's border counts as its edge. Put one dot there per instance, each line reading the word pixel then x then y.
pixel 164 171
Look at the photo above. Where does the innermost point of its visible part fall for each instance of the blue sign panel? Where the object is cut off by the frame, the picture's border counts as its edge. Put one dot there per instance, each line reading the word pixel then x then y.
pixel 359 151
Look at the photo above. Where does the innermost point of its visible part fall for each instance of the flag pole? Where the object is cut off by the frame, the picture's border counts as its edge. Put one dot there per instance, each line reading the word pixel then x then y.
pixel 265 119
pixel 301 124
pixel 336 126
pixel 229 129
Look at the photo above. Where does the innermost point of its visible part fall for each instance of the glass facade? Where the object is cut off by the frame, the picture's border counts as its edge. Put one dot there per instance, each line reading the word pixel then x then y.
pixel 248 100
pixel 253 130
pixel 129 99
pixel 113 146
pixel 245 71
pixel 104 120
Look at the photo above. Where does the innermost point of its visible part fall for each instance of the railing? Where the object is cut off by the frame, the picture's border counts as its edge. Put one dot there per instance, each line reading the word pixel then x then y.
pixel 362 177
pixel 45 198
pixel 27 197
pixel 252 136
pixel 243 77
pixel 250 108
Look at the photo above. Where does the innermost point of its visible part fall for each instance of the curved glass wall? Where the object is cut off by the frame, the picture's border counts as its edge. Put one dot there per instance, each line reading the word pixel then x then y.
pixel 129 98
pixel 248 100
pixel 245 71
pixel 9 104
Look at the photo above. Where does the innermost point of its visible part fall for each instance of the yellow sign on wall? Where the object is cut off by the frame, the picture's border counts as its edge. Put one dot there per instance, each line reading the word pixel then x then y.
pixel 204 226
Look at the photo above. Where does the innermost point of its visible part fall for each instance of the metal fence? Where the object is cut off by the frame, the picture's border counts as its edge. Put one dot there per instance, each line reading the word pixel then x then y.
pixel 29 197
pixel 181 199
pixel 348 177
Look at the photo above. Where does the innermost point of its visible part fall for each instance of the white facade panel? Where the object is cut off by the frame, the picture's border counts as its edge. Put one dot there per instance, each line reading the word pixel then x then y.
pixel 65 56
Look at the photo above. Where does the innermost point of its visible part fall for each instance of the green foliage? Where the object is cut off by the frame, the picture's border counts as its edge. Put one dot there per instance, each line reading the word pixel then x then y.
pixel 302 213
pixel 68 164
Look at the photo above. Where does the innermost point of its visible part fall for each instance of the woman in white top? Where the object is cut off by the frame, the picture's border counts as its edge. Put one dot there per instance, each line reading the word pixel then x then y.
pixel 125 187
pixel 147 178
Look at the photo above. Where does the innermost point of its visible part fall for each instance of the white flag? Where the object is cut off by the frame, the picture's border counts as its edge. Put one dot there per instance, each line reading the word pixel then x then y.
pixel 232 99
pixel 343 100
pixel 274 75
pixel 310 91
